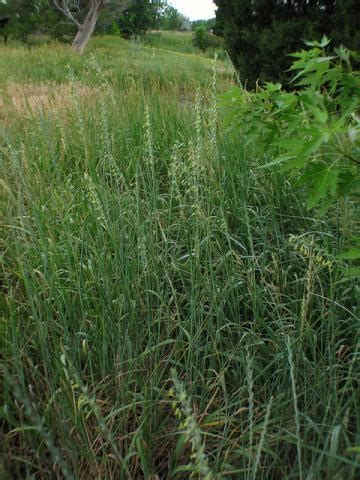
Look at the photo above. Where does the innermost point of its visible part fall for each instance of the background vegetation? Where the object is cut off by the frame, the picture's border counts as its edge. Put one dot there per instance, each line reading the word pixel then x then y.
pixel 40 16
pixel 260 34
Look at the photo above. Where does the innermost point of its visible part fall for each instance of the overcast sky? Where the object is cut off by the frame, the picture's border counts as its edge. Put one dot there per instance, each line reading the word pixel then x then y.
pixel 195 9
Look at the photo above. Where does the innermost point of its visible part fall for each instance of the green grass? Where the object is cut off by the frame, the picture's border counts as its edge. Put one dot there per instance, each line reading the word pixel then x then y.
pixel 122 62
pixel 175 41
pixel 158 318
pixel 181 42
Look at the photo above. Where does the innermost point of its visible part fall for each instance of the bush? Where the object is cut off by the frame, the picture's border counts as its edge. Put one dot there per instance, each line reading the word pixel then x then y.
pixel 114 28
pixel 201 38
pixel 313 133
pixel 204 39
pixel 28 17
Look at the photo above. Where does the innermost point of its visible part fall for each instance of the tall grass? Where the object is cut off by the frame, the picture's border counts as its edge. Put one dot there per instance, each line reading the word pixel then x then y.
pixel 123 62
pixel 165 314
pixel 176 41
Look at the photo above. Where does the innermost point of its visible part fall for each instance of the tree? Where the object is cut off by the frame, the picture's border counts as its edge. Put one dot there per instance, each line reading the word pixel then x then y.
pixel 172 19
pixel 139 17
pixel 201 37
pixel 27 16
pixel 204 39
pixel 85 14
pixel 208 24
pixel 260 34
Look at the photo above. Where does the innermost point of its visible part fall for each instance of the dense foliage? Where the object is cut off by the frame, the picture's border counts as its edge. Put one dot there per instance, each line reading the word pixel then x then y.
pixel 40 16
pixel 208 24
pixel 261 33
pixel 137 19
pixel 32 16
pixel 312 132
pixel 172 19
pixel 144 15
pixel 203 39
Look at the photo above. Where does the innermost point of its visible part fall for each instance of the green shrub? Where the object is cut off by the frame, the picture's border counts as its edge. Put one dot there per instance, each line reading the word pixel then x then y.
pixel 114 28
pixel 203 39
pixel 313 133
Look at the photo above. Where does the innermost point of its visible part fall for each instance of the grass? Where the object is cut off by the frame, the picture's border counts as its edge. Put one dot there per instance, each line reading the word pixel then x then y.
pixel 174 41
pixel 123 62
pixel 180 42
pixel 166 311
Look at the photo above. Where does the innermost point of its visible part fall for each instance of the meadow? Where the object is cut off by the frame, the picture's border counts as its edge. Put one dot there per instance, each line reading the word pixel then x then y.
pixel 170 309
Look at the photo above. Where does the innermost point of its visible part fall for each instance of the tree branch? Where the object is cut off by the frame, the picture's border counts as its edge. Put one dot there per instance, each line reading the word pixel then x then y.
pixel 64 8
pixel 92 9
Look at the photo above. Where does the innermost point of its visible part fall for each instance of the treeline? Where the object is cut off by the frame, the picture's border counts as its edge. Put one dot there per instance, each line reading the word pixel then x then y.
pixel 143 15
pixel 260 34
pixel 40 16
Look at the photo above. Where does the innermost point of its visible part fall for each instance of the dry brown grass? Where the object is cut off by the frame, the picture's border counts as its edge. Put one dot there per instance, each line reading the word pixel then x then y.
pixel 30 98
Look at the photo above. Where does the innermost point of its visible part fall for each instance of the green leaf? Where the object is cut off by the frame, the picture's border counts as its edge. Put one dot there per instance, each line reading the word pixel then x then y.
pixel 343 53
pixel 316 66
pixel 312 172
pixel 233 95
pixel 277 161
pixel 323 43
pixel 351 254
pixel 273 87
pixel 320 115
pixel 353 272
pixel 325 184
pixel 308 149
pixel 294 145
pixel 355 449
pixel 286 101
pixel 349 183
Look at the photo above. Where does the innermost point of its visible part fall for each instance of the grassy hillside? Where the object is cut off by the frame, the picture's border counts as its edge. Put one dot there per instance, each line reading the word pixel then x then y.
pixel 175 41
pixel 121 61
pixel 167 314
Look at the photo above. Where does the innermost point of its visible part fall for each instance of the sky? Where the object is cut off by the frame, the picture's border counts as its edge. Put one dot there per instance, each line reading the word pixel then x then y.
pixel 195 9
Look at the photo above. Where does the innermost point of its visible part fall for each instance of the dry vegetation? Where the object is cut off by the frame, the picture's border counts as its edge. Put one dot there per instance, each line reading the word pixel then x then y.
pixel 33 98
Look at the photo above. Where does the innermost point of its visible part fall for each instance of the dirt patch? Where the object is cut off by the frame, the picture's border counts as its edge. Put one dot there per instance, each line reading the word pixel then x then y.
pixel 30 98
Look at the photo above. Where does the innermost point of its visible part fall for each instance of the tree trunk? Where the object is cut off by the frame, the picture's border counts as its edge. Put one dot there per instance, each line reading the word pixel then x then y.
pixel 86 30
